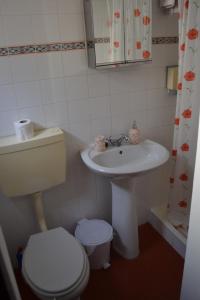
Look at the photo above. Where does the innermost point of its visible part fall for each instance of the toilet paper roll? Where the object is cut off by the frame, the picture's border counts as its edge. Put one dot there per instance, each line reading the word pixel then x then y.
pixel 24 129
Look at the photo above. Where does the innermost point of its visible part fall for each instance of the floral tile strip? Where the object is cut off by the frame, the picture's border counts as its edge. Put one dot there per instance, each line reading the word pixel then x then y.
pixel 21 50
pixel 66 46
pixel 165 40
pixel 3 51
pixel 155 40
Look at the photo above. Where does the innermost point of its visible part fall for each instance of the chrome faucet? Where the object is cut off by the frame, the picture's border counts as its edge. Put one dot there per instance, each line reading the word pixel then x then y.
pixel 117 142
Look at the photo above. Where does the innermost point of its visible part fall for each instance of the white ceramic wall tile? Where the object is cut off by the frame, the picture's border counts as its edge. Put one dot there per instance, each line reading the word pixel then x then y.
pixel 23 68
pixel 128 80
pixel 5 71
pixel 75 62
pixel 128 102
pixel 79 111
pixel 162 135
pixel 45 28
pixel 81 130
pixel 165 25
pixel 164 55
pixel 49 65
pixel 100 126
pixel 71 27
pixel 99 107
pixel 2 33
pixel 55 113
pixel 1 2
pixel 28 94
pixel 121 123
pixel 160 116
pixel 160 98
pixel 99 85
pixel 77 87
pixel 43 6
pixel 7 119
pixel 155 78
pixel 17 7
pixel 35 114
pixel 7 97
pixel 18 30
pixel 70 7
pixel 53 90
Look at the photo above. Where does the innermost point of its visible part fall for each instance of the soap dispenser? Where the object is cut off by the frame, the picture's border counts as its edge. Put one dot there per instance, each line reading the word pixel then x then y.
pixel 134 134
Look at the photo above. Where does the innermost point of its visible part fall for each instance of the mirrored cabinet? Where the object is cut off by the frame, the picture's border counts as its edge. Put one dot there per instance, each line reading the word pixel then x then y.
pixel 118 31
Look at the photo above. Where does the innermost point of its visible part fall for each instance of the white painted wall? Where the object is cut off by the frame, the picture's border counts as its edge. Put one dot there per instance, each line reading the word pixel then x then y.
pixel 58 89
pixel 191 277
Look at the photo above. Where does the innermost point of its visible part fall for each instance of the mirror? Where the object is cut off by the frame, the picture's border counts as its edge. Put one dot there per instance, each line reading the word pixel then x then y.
pixel 118 31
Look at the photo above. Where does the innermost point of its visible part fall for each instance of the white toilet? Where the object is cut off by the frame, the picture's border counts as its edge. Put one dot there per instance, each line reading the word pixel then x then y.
pixel 54 263
pixel 55 266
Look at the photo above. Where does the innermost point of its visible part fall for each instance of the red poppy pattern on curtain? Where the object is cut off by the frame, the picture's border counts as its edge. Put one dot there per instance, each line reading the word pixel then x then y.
pixel 183 152
pixel 138 30
pixel 115 27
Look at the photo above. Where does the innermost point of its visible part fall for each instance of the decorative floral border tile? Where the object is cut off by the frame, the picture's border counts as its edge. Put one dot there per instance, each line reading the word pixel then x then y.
pixel 165 40
pixel 66 46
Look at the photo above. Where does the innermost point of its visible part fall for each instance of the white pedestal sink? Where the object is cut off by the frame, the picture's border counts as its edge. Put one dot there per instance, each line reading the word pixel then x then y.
pixel 121 164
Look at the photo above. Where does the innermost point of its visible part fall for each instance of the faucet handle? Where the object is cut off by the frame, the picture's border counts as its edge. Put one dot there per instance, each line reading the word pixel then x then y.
pixel 125 137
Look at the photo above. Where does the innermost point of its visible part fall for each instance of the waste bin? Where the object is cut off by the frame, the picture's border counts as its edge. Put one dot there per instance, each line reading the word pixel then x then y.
pixel 95 235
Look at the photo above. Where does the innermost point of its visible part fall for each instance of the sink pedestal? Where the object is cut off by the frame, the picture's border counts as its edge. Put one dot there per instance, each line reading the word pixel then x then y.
pixel 124 218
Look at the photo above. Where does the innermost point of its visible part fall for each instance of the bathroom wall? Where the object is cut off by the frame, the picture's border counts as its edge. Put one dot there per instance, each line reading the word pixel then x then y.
pixel 57 89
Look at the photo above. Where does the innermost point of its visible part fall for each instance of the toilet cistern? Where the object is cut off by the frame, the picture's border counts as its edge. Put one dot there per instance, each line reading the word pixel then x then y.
pixel 54 264
pixel 32 166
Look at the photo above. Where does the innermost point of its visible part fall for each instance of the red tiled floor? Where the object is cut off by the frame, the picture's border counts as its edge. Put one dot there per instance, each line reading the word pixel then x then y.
pixel 155 275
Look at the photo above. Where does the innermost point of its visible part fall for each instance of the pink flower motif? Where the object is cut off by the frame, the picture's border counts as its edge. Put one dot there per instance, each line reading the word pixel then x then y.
pixel 116 44
pixel 146 20
pixel 187 114
pixel 179 86
pixel 137 12
pixel 146 54
pixel 138 45
pixel 185 147
pixel 182 204
pixel 183 177
pixel 193 34
pixel 117 14
pixel 109 23
pixel 182 47
pixel 189 76
pixel 177 121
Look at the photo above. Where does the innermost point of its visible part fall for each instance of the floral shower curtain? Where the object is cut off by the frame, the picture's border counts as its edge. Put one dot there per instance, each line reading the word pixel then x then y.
pixel 136 16
pixel 138 37
pixel 187 115
pixel 115 24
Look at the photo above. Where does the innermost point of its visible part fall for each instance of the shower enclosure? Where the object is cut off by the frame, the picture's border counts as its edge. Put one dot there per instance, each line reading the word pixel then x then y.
pixel 175 217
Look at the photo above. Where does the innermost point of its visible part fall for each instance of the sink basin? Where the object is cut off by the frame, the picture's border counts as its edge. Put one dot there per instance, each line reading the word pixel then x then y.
pixel 126 159
pixel 121 165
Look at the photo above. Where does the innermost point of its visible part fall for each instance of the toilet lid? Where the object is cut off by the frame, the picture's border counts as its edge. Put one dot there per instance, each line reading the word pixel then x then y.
pixel 53 260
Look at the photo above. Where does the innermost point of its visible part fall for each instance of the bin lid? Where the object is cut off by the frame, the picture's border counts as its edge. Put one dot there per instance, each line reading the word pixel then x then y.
pixel 93 232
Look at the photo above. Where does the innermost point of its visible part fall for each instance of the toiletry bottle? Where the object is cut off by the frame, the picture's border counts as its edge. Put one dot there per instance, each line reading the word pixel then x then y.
pixel 134 134
pixel 100 144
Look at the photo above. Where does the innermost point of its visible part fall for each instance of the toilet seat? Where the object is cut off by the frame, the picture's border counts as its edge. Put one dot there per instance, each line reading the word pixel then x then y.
pixel 54 263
